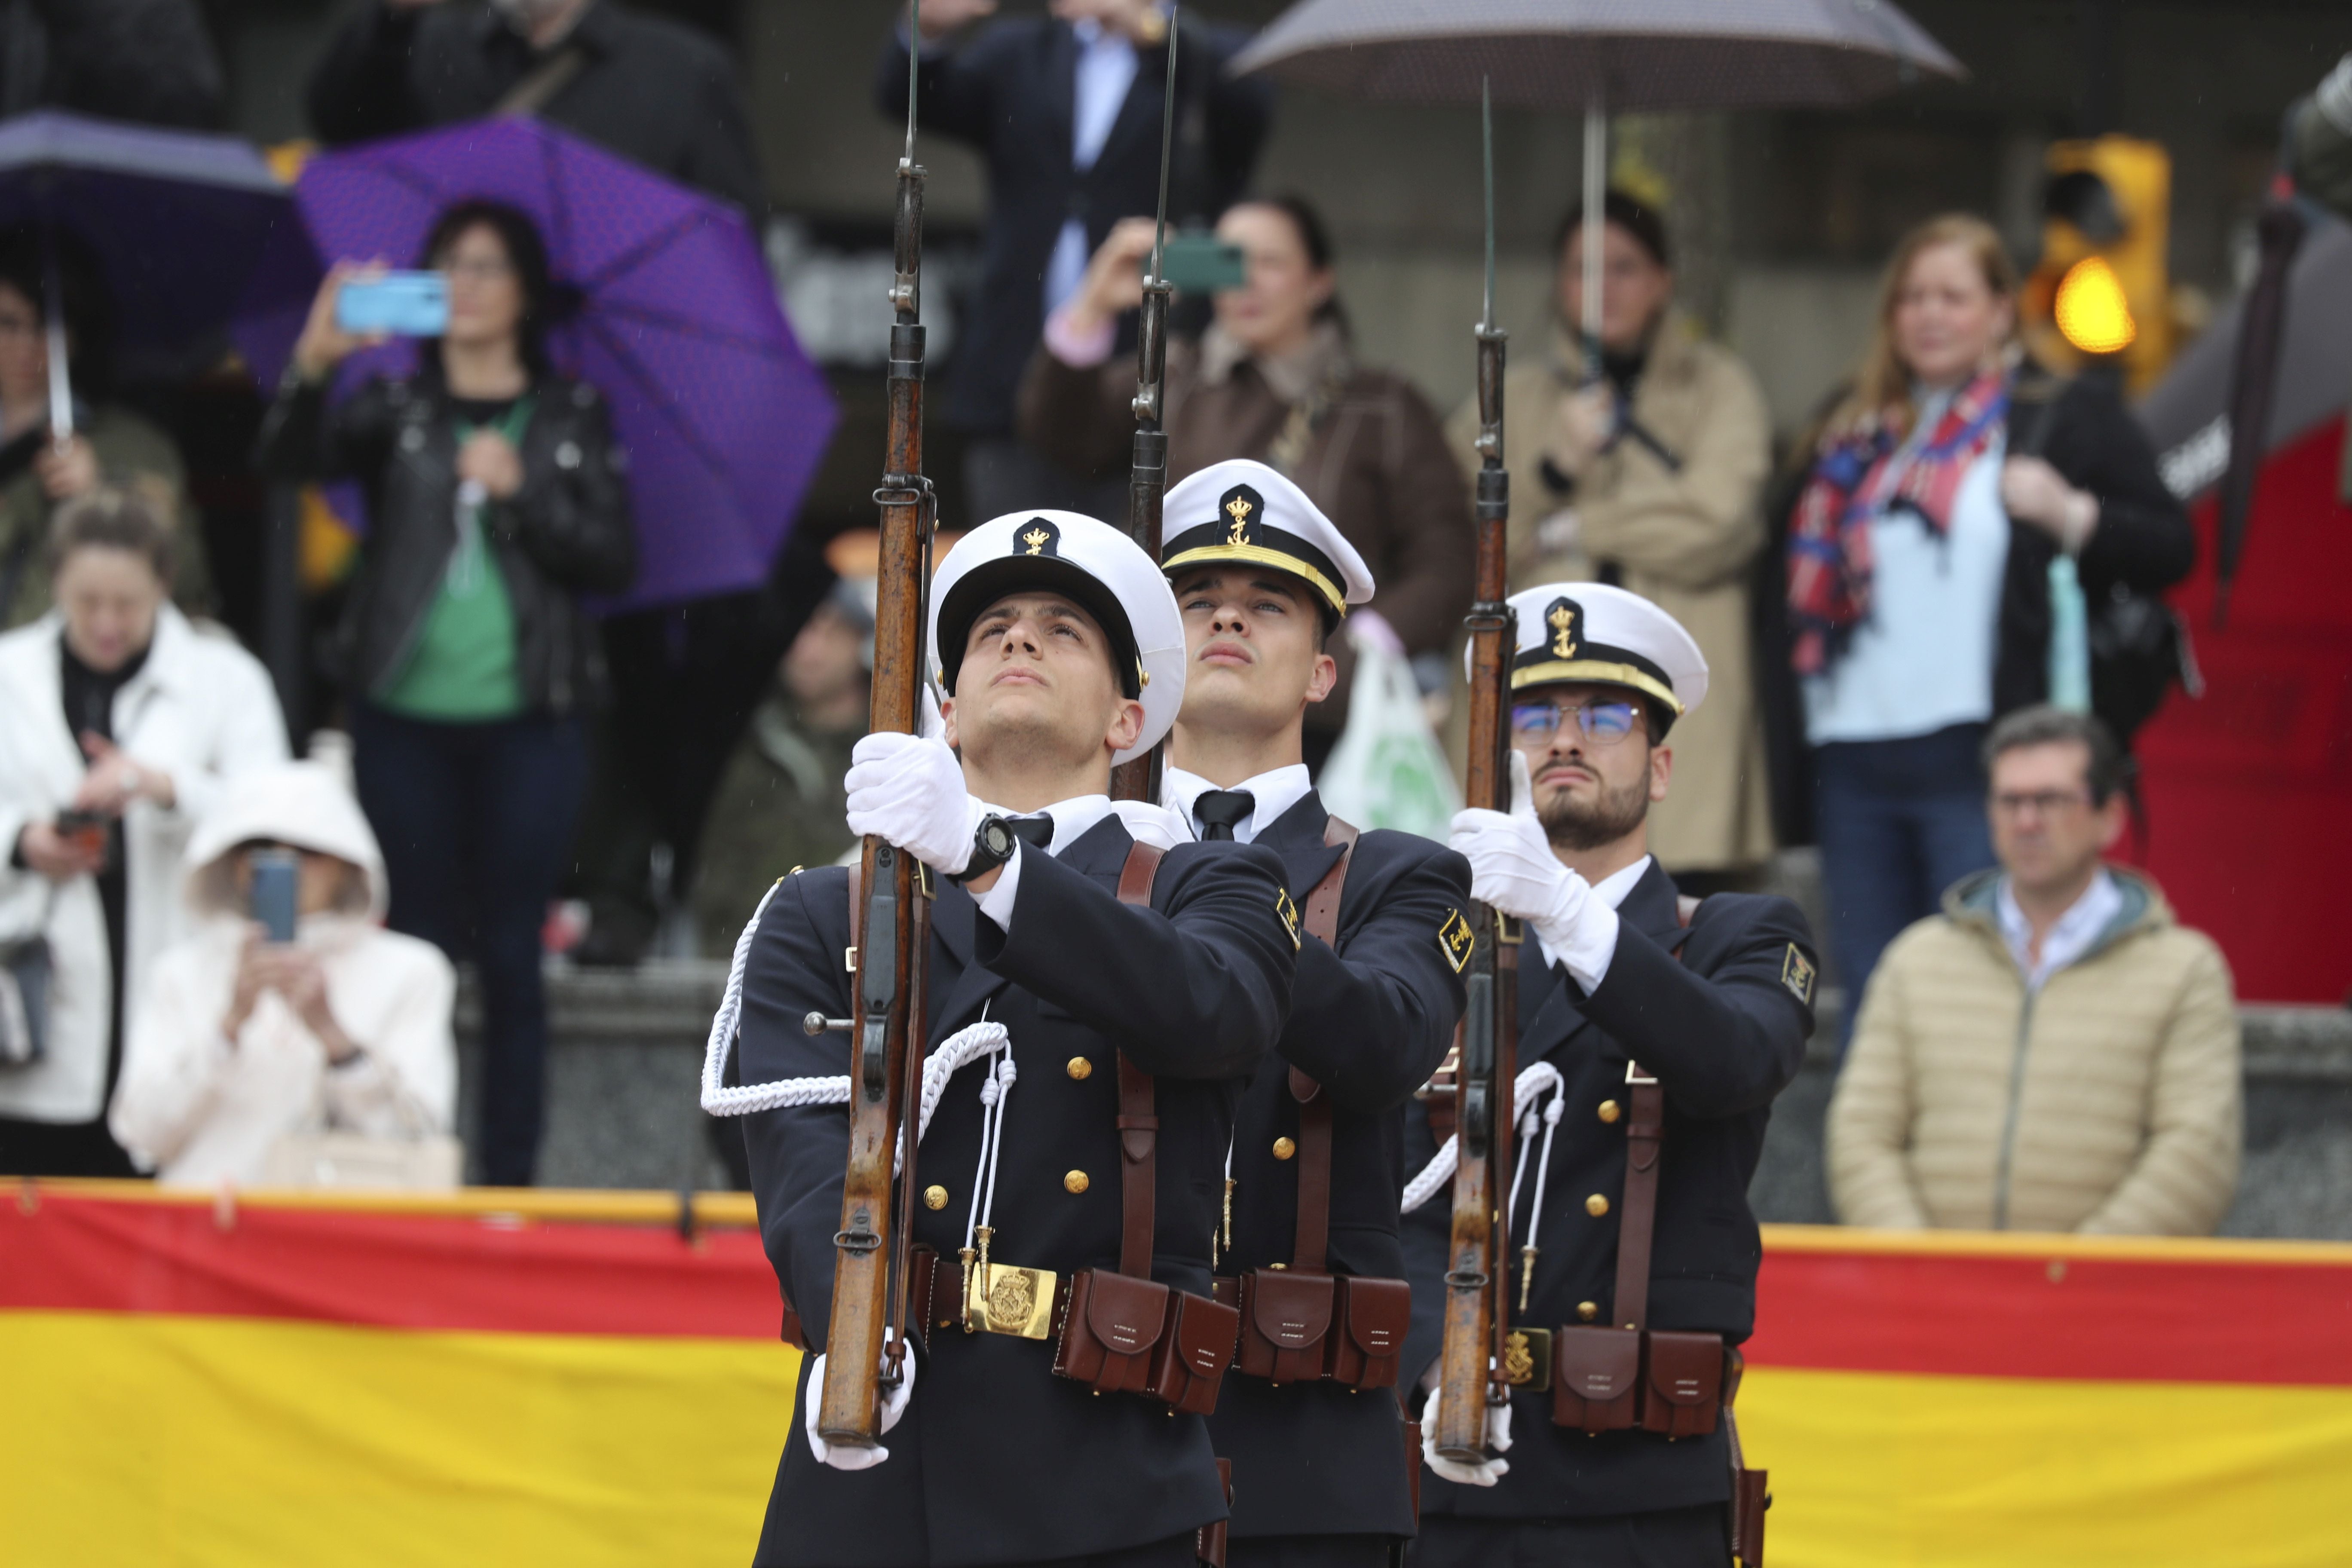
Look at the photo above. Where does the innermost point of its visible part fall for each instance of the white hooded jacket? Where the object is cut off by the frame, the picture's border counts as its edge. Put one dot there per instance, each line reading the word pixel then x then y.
pixel 203 1109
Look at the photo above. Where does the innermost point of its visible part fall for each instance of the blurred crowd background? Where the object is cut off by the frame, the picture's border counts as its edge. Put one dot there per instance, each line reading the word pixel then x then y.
pixel 250 550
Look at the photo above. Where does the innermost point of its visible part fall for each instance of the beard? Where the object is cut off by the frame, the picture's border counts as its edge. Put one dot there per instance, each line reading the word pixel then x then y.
pixel 1570 823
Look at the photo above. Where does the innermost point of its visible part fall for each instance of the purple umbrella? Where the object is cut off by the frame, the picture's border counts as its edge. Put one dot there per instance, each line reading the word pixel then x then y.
pixel 668 310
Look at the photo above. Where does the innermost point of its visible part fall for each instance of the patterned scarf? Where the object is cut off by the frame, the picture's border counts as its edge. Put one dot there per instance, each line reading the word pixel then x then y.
pixel 1861 476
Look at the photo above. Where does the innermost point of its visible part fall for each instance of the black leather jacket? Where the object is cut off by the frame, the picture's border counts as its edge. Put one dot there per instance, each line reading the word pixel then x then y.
pixel 566 532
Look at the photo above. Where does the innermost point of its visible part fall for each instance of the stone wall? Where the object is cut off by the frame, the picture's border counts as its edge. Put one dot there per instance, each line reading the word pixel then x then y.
pixel 622 1108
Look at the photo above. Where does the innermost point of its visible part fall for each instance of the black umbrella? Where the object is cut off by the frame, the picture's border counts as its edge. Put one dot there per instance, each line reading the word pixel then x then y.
pixel 1600 56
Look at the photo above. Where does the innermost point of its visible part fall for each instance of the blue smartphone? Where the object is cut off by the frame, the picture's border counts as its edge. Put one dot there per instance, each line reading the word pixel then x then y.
pixel 405 304
pixel 277 878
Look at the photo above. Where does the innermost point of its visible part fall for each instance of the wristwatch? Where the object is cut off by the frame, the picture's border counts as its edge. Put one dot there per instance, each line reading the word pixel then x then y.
pixel 992 845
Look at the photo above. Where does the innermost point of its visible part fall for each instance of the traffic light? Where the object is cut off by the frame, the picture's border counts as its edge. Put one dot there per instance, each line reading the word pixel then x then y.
pixel 2101 293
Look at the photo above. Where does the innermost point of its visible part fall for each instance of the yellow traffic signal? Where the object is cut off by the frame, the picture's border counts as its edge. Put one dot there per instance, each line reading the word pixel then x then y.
pixel 2102 290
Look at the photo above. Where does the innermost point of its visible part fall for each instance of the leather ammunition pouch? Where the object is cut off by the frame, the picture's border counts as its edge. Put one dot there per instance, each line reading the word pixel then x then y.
pixel 1303 1324
pixel 1596 1379
pixel 1120 1330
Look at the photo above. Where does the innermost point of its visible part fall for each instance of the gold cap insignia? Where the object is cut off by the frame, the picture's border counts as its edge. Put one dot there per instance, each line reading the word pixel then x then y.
pixel 1035 539
pixel 1797 973
pixel 1240 503
pixel 1289 914
pixel 1041 537
pixel 1456 937
pixel 1561 618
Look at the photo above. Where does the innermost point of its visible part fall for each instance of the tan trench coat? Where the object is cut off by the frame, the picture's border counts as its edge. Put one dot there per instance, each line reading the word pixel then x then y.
pixel 1685 540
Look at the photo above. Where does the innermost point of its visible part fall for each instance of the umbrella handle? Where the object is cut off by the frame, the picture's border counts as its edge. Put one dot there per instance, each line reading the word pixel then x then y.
pixel 61 415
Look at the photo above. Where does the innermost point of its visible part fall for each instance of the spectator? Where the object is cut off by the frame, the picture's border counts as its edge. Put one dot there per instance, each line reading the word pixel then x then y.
pixel 146 60
pixel 645 87
pixel 110 445
pixel 1274 378
pixel 237 1041
pixel 781 801
pixel 2052 1051
pixel 684 678
pixel 496 499
pixel 1923 551
pixel 120 723
pixel 1066 109
pixel 1649 479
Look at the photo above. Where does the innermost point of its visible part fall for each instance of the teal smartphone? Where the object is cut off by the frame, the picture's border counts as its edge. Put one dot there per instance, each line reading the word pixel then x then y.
pixel 1202 264
pixel 276 892
pixel 404 304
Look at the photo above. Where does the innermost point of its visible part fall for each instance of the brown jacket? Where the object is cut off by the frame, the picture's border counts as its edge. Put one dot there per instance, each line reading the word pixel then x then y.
pixel 1374 459
pixel 2108 1101
pixel 1684 539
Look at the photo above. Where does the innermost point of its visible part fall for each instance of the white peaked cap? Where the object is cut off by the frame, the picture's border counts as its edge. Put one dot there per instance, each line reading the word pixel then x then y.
pixel 1591 631
pixel 1093 565
pixel 1243 511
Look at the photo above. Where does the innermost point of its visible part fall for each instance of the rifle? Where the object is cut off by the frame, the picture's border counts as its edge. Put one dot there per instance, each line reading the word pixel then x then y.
pixel 871 1270
pixel 1477 1308
pixel 1147 480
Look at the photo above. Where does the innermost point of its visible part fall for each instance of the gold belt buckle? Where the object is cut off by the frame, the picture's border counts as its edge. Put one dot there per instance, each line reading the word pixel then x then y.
pixel 1016 1300
pixel 1526 1359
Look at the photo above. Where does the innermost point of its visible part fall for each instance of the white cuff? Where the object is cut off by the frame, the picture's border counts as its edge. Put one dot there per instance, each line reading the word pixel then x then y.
pixel 997 902
pixel 2335 96
pixel 1587 949
pixel 1079 351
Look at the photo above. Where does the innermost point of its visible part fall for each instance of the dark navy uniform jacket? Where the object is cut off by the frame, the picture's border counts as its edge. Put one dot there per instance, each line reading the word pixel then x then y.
pixel 1370 1023
pixel 1724 1031
pixel 996 1460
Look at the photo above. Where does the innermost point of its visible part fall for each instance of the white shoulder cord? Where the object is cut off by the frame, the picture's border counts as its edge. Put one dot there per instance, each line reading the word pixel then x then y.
pixel 958 1051
pixel 1440 1170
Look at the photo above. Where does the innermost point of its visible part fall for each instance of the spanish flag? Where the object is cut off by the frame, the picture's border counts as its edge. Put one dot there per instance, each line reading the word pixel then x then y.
pixel 581 1378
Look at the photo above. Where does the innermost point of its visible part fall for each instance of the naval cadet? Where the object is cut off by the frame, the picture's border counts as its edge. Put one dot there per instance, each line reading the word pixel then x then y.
pixel 1060 648
pixel 1652 1036
pixel 1321 1468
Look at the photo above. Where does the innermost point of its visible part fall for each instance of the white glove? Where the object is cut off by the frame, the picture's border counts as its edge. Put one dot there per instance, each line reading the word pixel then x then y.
pixel 1148 824
pixel 1512 866
pixel 910 789
pixel 1486 1472
pixel 894 1405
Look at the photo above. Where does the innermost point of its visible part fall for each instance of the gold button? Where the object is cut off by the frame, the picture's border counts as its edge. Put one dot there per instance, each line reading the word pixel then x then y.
pixel 1609 1111
pixel 1284 1148
pixel 935 1197
pixel 1596 1205
pixel 1586 1312
pixel 1081 1068
pixel 1075 1181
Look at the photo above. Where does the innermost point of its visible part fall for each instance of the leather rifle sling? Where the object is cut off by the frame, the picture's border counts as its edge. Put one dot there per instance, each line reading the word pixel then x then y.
pixel 1645 1133
pixel 1138 1119
pixel 1311 1252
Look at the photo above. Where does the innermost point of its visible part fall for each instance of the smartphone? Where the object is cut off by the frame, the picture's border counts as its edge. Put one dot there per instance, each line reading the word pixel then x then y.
pixel 276 874
pixel 1202 264
pixel 88 829
pixel 405 304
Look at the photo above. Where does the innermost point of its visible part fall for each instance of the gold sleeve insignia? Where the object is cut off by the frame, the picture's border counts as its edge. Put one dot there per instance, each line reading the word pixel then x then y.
pixel 1797 975
pixel 1289 914
pixel 1456 939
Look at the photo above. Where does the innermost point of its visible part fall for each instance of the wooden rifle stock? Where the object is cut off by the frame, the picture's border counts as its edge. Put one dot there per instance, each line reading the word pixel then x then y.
pixel 1147 475
pixel 893 929
pixel 1477 1297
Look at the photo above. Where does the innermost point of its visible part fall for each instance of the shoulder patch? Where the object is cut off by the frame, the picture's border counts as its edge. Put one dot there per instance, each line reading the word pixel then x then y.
pixel 1797 975
pixel 1289 914
pixel 1455 937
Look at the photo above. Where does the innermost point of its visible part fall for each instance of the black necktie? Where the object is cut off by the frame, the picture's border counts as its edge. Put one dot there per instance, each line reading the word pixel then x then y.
pixel 1219 809
pixel 1037 832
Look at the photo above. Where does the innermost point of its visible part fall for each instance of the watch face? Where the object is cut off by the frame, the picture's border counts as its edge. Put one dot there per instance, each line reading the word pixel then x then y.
pixel 998 837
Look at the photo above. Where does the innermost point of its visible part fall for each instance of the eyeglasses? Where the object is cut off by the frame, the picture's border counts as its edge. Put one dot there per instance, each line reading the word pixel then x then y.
pixel 1603 723
pixel 2041 802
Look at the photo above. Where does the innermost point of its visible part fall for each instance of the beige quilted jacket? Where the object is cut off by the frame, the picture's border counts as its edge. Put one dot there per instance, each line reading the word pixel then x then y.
pixel 2110 1103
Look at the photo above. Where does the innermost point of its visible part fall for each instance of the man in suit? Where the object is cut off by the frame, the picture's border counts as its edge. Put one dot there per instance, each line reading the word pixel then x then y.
pixel 1066 109
pixel 1060 647
pixel 1321 1474
pixel 1713 1004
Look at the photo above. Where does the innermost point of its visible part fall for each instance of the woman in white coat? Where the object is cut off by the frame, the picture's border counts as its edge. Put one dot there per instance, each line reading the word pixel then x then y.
pixel 120 722
pixel 237 1041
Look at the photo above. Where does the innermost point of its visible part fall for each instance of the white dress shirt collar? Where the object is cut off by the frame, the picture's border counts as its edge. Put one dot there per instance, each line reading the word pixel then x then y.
pixel 1071 818
pixel 2071 935
pixel 1271 793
